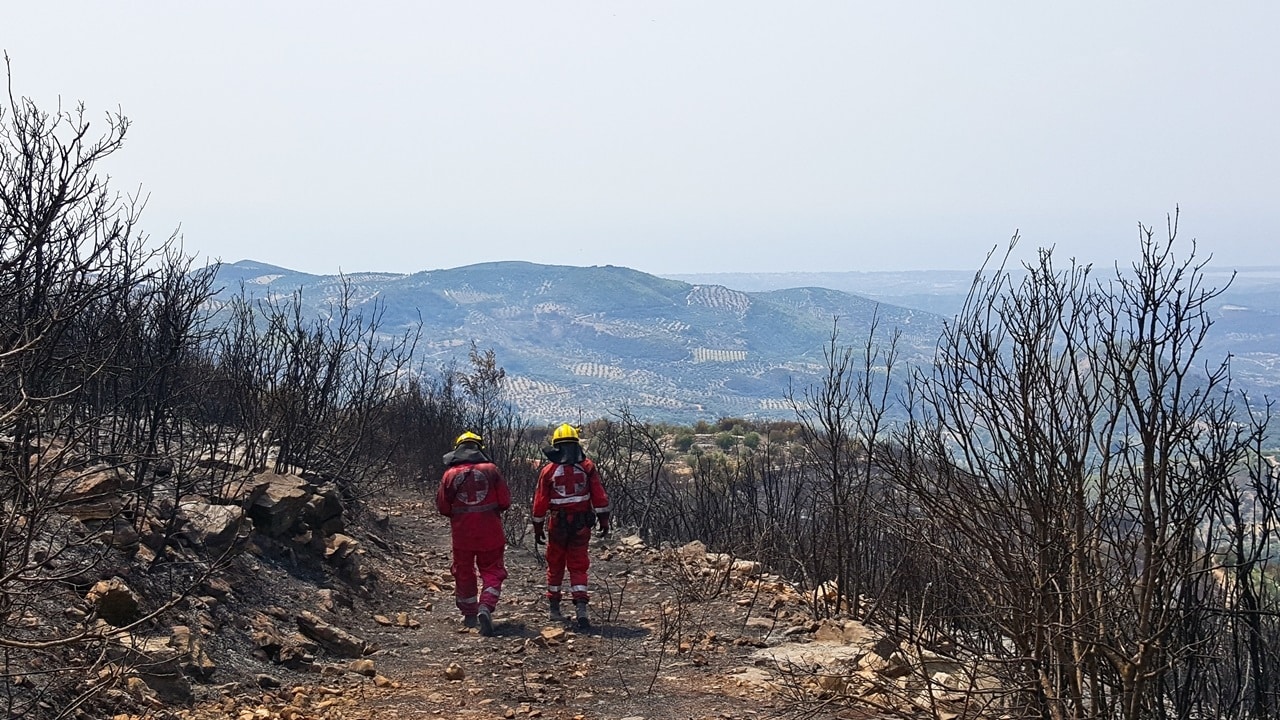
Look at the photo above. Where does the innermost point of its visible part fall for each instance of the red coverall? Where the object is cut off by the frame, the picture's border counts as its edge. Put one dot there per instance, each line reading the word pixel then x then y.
pixel 473 495
pixel 573 495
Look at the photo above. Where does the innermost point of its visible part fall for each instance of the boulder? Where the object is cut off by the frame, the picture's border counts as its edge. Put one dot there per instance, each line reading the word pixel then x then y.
pixel 154 666
pixel 114 602
pixel 323 511
pixel 897 665
pixel 192 656
pixel 243 491
pixel 208 525
pixel 95 485
pixel 338 547
pixel 106 509
pixel 720 560
pixel 693 552
pixel 355 572
pixel 332 638
pixel 280 505
pixel 834 684
pixel 884 647
pixel 217 587
pixel 829 631
pixel 117 532
pixel 298 652
pixel 265 635
pixel 380 519
pixel 331 599
pixel 934 663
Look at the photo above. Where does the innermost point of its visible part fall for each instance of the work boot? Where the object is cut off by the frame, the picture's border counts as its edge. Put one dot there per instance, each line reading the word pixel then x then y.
pixel 469 620
pixel 486 622
pixel 554 613
pixel 584 622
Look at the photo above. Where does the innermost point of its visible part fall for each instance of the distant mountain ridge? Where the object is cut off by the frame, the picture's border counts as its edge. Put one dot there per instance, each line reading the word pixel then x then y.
pixel 1246 315
pixel 581 342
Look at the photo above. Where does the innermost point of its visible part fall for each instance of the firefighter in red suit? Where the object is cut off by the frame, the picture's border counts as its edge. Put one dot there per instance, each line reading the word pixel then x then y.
pixel 569 500
pixel 473 495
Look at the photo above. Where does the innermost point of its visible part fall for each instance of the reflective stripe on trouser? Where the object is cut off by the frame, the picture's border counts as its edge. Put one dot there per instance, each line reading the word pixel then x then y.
pixel 574 556
pixel 465 583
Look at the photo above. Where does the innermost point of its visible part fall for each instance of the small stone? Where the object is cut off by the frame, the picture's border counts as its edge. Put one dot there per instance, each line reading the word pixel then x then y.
pixel 383 620
pixel 266 682
pixel 455 672
pixel 363 666
pixel 382 681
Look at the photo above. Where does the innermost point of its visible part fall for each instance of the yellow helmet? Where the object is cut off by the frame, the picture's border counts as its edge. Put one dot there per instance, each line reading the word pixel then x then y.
pixel 468 436
pixel 564 433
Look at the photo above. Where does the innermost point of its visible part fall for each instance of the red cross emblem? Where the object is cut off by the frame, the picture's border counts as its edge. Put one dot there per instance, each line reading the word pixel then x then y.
pixel 472 487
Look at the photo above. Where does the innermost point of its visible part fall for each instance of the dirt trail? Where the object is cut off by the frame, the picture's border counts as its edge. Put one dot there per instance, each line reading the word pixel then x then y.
pixel 650 654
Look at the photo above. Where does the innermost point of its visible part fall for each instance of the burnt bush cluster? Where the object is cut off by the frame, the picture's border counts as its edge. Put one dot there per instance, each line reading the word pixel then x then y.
pixel 1078 508
pixel 126 388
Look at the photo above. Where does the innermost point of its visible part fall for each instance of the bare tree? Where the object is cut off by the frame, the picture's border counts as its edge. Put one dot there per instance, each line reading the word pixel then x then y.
pixel 96 335
pixel 842 418
pixel 1066 457
pixel 631 458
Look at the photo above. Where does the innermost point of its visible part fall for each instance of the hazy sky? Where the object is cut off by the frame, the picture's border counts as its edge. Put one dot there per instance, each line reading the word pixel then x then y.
pixel 676 136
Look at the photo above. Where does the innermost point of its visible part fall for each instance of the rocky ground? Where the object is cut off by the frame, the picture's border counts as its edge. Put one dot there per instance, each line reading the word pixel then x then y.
pixel 367 628
pixel 647 655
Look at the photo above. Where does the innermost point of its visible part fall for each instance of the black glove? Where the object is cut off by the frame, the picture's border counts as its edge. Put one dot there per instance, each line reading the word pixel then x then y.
pixel 603 519
pixel 539 535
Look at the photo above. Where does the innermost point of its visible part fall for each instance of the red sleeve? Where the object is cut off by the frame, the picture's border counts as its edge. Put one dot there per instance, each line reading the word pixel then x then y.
pixel 504 493
pixel 442 500
pixel 599 498
pixel 541 497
